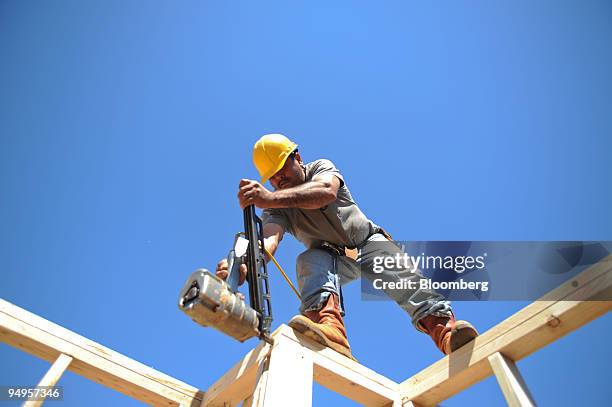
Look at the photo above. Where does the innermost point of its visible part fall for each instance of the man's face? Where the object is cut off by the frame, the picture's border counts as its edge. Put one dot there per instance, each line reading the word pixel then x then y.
pixel 290 175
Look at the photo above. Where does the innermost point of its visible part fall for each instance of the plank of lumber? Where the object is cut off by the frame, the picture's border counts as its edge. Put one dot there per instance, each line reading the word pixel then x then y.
pixel 44 339
pixel 332 370
pixel 51 377
pixel 289 376
pixel 239 382
pixel 345 376
pixel 256 399
pixel 511 381
pixel 523 333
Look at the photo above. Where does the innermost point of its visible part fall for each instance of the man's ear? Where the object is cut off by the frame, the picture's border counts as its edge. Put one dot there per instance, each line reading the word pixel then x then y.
pixel 298 157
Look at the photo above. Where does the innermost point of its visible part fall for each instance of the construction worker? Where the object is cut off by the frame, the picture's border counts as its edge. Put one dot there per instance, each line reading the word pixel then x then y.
pixel 313 203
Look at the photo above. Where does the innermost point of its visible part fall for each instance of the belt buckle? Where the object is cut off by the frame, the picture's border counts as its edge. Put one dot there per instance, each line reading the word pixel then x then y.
pixel 333 248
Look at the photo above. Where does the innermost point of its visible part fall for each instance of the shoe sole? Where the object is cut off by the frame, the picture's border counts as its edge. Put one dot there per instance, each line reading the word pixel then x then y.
pixel 462 334
pixel 317 335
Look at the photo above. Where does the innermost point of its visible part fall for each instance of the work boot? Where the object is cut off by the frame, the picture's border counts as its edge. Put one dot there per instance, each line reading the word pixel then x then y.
pixel 325 326
pixel 448 334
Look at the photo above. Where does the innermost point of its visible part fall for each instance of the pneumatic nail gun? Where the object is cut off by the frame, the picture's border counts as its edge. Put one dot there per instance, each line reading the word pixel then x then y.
pixel 211 301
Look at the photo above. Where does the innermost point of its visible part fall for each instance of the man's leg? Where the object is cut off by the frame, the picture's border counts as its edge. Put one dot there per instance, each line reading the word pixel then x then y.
pixel 429 311
pixel 317 278
pixel 321 310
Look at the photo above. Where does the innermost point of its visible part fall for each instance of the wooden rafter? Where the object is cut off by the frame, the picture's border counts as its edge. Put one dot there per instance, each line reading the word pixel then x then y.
pixel 523 333
pixel 46 340
pixel 329 368
pixel 273 375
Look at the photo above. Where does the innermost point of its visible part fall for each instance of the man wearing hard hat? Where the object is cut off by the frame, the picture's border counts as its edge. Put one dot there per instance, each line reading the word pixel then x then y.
pixel 312 202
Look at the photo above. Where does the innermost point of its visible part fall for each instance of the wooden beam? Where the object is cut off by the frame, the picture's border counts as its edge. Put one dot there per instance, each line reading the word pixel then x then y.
pixel 289 376
pixel 51 377
pixel 256 399
pixel 511 382
pixel 44 339
pixel 409 403
pixel 523 333
pixel 563 310
pixel 345 376
pixel 330 369
pixel 239 382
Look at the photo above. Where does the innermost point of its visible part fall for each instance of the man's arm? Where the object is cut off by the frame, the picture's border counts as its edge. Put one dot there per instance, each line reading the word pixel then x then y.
pixel 273 234
pixel 317 193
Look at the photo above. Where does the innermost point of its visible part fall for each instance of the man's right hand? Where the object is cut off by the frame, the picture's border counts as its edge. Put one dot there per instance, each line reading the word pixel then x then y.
pixel 222 271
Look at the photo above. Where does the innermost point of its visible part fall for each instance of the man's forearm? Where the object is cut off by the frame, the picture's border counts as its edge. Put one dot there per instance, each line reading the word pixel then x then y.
pixel 271 244
pixel 310 195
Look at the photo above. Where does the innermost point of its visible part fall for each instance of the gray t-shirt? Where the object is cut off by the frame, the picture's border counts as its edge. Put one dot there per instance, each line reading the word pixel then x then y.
pixel 340 222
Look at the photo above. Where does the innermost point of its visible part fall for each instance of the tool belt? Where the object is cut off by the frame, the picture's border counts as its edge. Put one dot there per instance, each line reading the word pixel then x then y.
pixel 338 250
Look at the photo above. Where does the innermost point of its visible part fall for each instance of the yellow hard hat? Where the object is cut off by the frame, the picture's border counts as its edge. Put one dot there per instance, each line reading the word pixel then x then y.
pixel 270 153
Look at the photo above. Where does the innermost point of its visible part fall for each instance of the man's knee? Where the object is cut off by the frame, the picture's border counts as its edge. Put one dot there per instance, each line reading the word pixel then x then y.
pixel 313 260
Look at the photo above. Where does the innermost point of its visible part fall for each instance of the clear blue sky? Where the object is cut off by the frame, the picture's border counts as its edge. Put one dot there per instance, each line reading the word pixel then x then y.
pixel 125 127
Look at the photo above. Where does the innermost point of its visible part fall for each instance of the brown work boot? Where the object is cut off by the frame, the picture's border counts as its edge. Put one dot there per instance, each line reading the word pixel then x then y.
pixel 325 326
pixel 448 334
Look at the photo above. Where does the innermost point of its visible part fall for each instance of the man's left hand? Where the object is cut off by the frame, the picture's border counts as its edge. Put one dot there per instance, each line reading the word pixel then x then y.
pixel 251 192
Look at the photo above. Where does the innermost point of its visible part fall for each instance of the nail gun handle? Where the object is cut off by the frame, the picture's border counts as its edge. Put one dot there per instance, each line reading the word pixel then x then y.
pixel 233 270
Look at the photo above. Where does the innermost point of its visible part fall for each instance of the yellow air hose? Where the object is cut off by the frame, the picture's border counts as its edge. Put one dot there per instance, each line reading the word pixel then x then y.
pixel 278 266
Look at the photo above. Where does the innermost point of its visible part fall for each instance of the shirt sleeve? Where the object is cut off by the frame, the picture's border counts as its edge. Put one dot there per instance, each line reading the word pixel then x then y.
pixel 277 216
pixel 324 166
